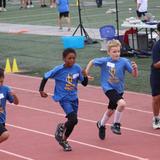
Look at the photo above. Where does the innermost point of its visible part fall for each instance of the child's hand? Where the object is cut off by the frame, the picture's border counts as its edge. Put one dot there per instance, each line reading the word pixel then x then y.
pixel 90 78
pixel 43 94
pixel 134 65
pixel 85 74
pixel 135 69
pixel 16 100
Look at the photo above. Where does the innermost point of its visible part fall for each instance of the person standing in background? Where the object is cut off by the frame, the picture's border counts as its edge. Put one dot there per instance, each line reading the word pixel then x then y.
pixel 63 9
pixel 142 7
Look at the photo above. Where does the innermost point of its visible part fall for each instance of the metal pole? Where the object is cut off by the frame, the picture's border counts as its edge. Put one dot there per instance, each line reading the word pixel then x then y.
pixel 117 18
pixel 88 40
pixel 80 18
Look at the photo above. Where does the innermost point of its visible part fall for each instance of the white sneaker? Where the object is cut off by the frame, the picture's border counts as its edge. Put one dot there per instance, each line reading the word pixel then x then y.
pixel 4 9
pixel 32 6
pixel 156 123
pixel 1 9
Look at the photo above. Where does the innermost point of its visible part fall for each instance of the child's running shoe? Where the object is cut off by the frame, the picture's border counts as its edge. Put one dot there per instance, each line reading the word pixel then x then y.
pixel 65 145
pixel 102 132
pixel 59 132
pixel 116 128
pixel 156 123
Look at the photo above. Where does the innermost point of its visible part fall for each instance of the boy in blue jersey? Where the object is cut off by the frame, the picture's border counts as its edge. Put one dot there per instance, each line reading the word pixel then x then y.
pixel 66 78
pixel 112 82
pixel 63 9
pixel 5 94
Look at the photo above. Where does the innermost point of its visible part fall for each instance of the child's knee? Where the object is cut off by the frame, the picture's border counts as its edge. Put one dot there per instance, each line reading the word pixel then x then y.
pixel 121 104
pixel 72 119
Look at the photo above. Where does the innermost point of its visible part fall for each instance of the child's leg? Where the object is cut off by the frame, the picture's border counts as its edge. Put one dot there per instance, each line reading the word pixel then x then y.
pixel 65 130
pixel 117 117
pixel 4 136
pixel 3 133
pixel 68 20
pixel 102 122
pixel 60 20
pixel 118 113
pixel 70 124
pixel 116 103
pixel 106 116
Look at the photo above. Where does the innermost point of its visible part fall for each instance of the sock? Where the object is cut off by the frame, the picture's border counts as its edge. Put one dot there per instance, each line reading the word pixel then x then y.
pixel 117 116
pixel 104 119
pixel 155 117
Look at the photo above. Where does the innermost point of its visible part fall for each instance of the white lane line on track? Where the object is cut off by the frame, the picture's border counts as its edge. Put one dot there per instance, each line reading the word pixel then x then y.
pixel 83 100
pixel 81 143
pixel 84 119
pixel 15 155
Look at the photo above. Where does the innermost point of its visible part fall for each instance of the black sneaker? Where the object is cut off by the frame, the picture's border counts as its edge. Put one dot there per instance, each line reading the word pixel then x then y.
pixel 102 132
pixel 59 132
pixel 65 145
pixel 116 128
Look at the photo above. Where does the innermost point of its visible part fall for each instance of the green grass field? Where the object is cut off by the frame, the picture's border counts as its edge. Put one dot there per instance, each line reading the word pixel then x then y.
pixel 37 54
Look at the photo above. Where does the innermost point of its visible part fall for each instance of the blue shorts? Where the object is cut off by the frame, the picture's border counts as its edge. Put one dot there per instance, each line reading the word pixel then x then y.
pixel 69 106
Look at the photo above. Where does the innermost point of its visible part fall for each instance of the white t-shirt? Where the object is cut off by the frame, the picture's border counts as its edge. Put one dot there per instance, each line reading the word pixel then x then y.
pixel 143 5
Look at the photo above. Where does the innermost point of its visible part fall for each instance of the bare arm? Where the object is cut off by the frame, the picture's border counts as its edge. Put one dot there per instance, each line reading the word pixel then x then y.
pixel 16 100
pixel 135 69
pixel 89 65
pixel 157 65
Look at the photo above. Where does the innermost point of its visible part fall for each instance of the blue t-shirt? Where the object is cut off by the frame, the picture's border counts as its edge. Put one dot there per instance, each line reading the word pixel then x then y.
pixel 63 5
pixel 113 72
pixel 66 81
pixel 4 96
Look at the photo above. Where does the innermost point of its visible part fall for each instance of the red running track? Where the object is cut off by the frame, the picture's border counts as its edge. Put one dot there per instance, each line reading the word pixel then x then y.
pixel 32 123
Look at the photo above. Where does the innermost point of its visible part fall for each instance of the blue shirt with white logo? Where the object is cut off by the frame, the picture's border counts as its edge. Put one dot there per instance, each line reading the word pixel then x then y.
pixel 113 72
pixel 4 96
pixel 66 81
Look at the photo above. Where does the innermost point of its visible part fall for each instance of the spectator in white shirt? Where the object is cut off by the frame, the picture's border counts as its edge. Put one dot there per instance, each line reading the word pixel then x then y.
pixel 142 7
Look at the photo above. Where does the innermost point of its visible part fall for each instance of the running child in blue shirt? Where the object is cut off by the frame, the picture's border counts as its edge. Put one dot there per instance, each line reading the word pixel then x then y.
pixel 5 95
pixel 66 78
pixel 112 82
